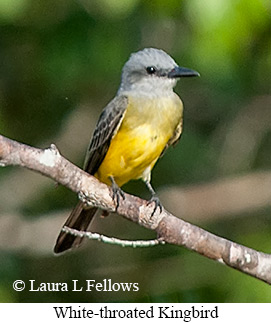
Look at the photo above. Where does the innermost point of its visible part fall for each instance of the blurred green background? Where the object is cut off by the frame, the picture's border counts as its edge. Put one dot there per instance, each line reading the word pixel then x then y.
pixel 60 64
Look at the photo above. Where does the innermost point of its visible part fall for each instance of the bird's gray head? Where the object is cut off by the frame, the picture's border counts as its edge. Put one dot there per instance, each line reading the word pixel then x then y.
pixel 151 71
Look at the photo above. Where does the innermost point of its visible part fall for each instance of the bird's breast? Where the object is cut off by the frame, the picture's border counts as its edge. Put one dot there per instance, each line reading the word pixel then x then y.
pixel 145 130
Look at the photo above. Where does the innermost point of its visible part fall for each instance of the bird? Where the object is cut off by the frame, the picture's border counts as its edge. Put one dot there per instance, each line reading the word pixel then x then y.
pixel 133 131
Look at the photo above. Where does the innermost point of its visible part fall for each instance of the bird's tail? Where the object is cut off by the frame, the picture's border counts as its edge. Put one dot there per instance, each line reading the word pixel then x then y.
pixel 79 219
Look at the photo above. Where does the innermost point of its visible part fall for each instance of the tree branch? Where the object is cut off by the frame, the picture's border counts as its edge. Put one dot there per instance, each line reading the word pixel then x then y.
pixel 172 230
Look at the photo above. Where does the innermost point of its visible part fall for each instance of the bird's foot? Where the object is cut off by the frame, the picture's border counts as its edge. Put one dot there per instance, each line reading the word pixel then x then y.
pixel 117 193
pixel 84 197
pixel 157 204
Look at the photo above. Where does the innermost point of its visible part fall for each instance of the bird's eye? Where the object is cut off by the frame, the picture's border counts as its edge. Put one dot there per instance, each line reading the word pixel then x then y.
pixel 151 70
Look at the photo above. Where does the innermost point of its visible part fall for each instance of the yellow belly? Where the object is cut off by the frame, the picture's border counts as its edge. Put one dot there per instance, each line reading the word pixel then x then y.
pixel 141 138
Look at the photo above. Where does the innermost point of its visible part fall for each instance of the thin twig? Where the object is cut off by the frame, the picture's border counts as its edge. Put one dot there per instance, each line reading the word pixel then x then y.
pixel 112 240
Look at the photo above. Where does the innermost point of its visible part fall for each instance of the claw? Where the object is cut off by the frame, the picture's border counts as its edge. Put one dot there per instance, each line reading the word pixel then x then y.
pixel 117 193
pixel 83 197
pixel 154 198
pixel 157 204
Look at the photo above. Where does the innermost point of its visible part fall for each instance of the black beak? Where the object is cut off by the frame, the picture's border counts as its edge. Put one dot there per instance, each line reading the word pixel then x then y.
pixel 182 72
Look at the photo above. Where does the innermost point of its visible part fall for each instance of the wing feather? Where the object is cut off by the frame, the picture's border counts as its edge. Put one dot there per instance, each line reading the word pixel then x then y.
pixel 175 137
pixel 108 124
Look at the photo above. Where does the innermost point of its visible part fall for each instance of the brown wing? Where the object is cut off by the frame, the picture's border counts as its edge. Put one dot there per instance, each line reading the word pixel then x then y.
pixel 108 124
pixel 175 137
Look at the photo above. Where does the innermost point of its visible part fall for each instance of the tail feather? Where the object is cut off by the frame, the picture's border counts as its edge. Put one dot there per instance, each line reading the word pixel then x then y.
pixel 79 219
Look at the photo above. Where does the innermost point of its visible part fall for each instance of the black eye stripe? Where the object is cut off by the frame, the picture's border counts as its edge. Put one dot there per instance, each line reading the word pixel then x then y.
pixel 151 69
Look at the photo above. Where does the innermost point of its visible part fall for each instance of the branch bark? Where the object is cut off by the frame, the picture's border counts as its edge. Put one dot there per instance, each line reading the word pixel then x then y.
pixel 171 229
